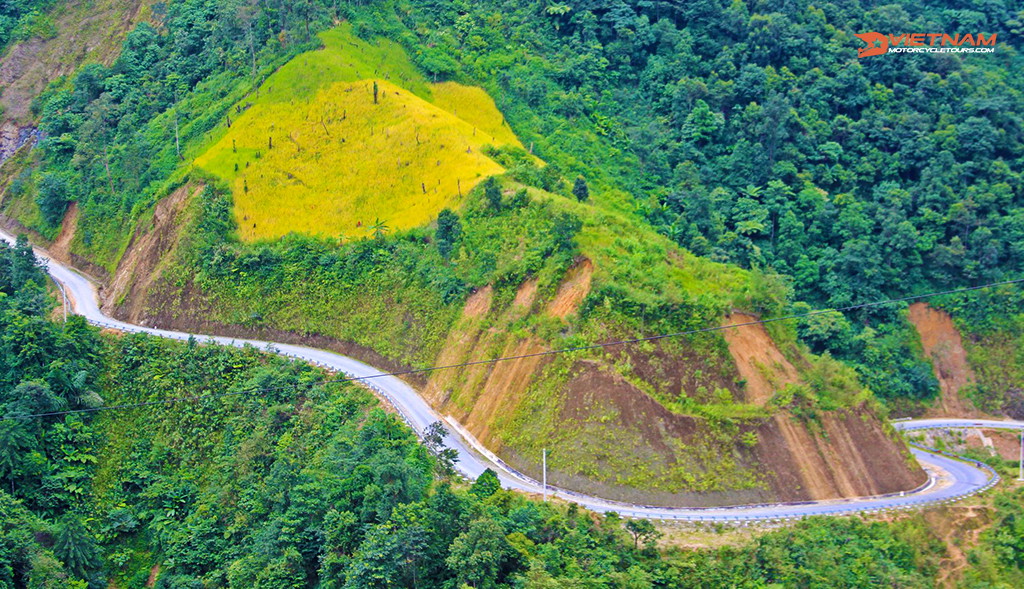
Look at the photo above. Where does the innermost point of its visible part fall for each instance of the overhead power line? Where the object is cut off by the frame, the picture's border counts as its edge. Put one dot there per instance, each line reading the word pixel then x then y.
pixel 582 348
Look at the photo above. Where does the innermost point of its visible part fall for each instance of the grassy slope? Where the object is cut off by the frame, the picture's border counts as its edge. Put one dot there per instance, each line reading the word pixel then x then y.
pixel 997 358
pixel 313 153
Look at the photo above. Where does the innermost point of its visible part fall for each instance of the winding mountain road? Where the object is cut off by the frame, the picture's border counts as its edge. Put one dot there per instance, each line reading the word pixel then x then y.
pixel 949 479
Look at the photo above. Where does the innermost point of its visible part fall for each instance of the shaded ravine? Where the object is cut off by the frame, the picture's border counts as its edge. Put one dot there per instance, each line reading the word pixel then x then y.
pixel 949 479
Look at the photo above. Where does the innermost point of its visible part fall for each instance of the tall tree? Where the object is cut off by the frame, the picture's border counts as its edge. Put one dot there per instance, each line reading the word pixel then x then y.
pixel 75 546
pixel 449 229
pixel 580 189
pixel 477 555
pixel 492 194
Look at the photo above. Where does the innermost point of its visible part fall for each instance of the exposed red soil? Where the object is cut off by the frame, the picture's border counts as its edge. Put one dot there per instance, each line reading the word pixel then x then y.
pixel 848 454
pixel 758 360
pixel 504 388
pixel 484 390
pixel 805 461
pixel 643 430
pixel 526 294
pixel 593 387
pixel 148 249
pixel 574 288
pixel 679 373
pixel 944 347
pixel 852 457
pixel 479 303
pixel 61 247
pixel 487 390
pixel 83 265
pixel 459 345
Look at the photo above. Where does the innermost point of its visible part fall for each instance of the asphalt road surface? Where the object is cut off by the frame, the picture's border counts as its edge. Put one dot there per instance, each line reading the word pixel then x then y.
pixel 949 478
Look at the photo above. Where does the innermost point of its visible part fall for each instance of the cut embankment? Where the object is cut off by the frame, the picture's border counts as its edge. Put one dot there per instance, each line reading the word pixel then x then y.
pixel 944 347
pixel 151 246
pixel 479 394
pixel 759 361
pixel 574 288
pixel 362 145
pixel 61 247
pixel 608 437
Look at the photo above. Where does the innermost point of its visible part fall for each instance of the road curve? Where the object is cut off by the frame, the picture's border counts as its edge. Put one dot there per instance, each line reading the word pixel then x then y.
pixel 949 478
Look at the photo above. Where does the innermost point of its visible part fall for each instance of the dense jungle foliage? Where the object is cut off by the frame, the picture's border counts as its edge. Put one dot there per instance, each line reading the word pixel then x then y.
pixel 267 474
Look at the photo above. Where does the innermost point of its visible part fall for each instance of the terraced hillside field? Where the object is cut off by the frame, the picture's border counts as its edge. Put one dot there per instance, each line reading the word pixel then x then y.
pixel 349 140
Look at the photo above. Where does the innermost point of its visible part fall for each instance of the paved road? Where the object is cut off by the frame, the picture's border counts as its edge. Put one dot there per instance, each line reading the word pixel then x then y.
pixel 949 479
pixel 950 423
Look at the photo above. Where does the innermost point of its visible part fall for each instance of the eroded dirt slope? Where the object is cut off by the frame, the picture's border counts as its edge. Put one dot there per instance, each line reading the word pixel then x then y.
pixel 944 347
pixel 475 395
pixel 151 245
pixel 758 360
pixel 602 418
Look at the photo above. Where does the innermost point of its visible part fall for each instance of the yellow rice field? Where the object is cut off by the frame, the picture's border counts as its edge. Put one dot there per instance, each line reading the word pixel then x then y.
pixel 314 154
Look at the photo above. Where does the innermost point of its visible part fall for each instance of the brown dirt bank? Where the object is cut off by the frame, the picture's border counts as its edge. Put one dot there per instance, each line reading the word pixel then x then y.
pixel 842 454
pixel 758 359
pixel 944 347
pixel 151 246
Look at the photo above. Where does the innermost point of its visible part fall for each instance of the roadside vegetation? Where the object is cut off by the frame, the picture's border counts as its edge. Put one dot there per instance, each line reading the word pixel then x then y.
pixel 266 474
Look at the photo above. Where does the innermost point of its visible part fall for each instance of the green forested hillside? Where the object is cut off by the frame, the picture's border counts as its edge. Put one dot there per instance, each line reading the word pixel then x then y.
pixel 747 132
pixel 705 159
pixel 263 475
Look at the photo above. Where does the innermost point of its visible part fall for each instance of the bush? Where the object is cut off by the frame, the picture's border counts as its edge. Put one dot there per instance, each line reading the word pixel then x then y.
pixel 52 198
